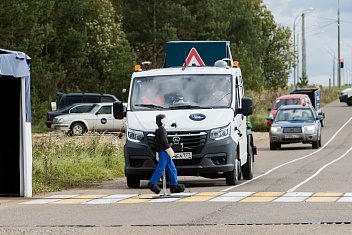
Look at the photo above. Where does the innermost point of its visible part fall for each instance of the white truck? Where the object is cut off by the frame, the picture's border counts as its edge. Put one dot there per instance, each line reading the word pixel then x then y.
pixel 202 96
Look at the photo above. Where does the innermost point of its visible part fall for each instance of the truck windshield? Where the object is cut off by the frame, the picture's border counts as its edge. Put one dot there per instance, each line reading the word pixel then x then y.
pixel 294 115
pixel 181 92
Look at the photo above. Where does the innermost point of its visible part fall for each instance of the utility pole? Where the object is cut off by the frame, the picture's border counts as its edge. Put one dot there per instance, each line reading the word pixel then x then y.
pixel 338 45
pixel 303 49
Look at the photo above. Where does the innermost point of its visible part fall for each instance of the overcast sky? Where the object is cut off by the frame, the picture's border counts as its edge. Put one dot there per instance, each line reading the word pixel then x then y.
pixel 321 34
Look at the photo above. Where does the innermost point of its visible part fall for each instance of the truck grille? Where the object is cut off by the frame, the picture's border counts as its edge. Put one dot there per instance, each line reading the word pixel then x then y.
pixel 292 130
pixel 192 141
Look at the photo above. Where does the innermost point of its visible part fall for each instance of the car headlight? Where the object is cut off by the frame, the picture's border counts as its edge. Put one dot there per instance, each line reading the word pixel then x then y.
pixel 344 93
pixel 135 136
pixel 221 132
pixel 309 128
pixel 275 129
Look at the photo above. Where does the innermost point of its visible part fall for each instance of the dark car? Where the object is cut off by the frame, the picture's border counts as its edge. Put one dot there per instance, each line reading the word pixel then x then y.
pixel 73 98
pixel 73 108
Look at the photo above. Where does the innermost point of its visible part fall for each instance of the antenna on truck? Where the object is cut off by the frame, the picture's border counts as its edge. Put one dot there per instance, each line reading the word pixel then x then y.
pixel 184 64
pixel 146 64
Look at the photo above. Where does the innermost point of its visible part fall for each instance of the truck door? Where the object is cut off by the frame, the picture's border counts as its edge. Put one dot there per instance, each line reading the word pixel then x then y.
pixel 104 119
pixel 241 120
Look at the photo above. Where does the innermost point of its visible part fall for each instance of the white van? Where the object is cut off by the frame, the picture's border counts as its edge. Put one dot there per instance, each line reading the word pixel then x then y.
pixel 205 109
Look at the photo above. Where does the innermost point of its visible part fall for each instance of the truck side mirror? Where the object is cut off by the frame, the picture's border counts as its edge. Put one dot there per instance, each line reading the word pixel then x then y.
pixel 247 106
pixel 117 107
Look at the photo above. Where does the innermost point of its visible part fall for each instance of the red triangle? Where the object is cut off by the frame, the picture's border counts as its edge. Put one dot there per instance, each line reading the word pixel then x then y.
pixel 194 58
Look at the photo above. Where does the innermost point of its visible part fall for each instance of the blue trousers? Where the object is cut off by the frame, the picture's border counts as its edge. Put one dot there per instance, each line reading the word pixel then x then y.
pixel 165 161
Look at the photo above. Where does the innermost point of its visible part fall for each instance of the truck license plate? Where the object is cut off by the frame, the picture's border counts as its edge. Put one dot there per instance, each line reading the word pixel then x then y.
pixel 184 155
pixel 291 136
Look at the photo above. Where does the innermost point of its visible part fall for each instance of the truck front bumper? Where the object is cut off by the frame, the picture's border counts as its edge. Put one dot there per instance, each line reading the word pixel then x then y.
pixel 217 156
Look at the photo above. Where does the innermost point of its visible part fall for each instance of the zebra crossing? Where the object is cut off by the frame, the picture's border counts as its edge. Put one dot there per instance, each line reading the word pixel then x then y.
pixel 241 197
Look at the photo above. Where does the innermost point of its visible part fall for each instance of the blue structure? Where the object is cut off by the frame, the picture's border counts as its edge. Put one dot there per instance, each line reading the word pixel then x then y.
pixel 209 52
pixel 16 147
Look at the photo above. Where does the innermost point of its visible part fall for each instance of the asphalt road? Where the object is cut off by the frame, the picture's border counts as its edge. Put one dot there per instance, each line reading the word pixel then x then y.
pixel 295 190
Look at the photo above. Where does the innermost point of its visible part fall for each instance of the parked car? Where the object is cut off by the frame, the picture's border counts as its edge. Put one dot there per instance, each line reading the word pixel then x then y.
pixel 99 118
pixel 294 124
pixel 72 98
pixel 295 99
pixel 74 108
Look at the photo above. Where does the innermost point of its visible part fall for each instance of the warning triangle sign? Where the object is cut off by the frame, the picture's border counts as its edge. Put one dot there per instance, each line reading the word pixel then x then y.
pixel 193 58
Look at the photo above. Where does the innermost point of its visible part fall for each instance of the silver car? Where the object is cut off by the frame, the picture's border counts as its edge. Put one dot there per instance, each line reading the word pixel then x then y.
pixel 294 124
pixel 98 118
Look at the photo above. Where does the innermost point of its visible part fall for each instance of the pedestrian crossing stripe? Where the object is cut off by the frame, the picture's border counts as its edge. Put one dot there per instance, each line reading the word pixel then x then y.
pixel 244 197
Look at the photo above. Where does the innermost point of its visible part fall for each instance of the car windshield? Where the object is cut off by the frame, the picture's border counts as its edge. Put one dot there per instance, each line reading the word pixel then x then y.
pixel 294 115
pixel 181 92
pixel 280 102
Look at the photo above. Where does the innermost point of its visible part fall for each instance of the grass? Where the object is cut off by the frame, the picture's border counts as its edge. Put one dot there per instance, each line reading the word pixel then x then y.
pixel 61 162
pixel 264 100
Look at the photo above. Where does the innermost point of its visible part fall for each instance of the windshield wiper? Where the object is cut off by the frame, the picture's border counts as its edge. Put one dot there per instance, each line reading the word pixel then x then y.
pixel 187 106
pixel 150 106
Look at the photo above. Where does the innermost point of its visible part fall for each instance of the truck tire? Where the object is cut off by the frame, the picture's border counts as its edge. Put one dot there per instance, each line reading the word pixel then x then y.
pixel 247 169
pixel 349 101
pixel 133 181
pixel 232 176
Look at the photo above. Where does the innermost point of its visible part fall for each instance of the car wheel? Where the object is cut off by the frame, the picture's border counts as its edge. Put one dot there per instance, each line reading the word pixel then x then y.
pixel 274 146
pixel 315 144
pixel 77 129
pixel 232 176
pixel 349 101
pixel 133 181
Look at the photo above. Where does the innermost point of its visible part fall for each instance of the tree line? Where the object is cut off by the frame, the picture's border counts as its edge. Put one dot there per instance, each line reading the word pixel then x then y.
pixel 93 45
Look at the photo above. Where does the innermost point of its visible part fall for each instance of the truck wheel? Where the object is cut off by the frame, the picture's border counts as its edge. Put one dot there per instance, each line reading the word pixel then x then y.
pixel 77 129
pixel 232 176
pixel 349 101
pixel 133 181
pixel 247 169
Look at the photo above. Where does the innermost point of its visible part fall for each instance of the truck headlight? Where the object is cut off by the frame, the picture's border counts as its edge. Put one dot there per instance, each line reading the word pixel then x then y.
pixel 275 129
pixel 309 128
pixel 135 136
pixel 221 132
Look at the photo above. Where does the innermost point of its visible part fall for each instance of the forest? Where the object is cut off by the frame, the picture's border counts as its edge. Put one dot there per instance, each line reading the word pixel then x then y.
pixel 93 45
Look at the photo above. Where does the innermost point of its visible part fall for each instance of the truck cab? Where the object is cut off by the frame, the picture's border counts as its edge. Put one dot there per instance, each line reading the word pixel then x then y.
pixel 205 109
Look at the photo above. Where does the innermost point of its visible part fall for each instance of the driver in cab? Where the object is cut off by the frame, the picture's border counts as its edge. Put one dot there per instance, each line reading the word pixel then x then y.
pixel 151 96
pixel 211 94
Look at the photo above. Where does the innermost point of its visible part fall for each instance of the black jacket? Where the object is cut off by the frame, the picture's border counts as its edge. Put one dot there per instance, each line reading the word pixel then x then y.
pixel 161 141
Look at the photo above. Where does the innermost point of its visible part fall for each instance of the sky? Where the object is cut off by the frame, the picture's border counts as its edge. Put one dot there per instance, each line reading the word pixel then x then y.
pixel 321 32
